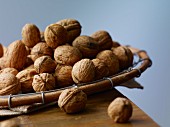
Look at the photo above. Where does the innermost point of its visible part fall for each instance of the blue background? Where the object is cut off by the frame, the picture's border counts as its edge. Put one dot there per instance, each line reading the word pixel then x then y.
pixel 143 24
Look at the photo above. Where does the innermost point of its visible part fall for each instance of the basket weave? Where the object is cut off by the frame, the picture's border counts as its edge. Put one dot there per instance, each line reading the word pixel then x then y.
pixel 88 88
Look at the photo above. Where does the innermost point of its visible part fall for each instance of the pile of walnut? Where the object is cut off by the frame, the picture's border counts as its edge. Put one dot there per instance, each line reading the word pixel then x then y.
pixel 59 57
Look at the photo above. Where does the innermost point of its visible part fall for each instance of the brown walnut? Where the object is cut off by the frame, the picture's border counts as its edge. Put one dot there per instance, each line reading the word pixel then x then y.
pixel 110 60
pixel 124 55
pixel 44 64
pixel 9 70
pixel 9 84
pixel 73 28
pixel 72 100
pixel 41 49
pixel 30 35
pixel 55 35
pixel 83 71
pixel 67 55
pixel 87 46
pixel 26 78
pixel 103 38
pixel 63 75
pixel 101 70
pixel 120 110
pixel 43 82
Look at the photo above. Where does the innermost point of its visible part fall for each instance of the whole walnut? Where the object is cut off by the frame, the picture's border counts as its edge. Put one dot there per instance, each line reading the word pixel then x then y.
pixel 9 84
pixel 67 55
pixel 103 38
pixel 16 55
pixel 72 100
pixel 26 78
pixel 44 64
pixel 101 70
pixel 120 110
pixel 110 60
pixel 9 70
pixel 63 75
pixel 73 28
pixel 55 35
pixel 87 46
pixel 83 71
pixel 30 35
pixel 41 49
pixel 124 55
pixel 43 82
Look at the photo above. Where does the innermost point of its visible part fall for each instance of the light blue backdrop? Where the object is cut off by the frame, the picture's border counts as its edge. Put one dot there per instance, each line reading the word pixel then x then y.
pixel 144 24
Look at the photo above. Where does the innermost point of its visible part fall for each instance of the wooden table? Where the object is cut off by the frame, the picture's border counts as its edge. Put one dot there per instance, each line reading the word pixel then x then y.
pixel 95 115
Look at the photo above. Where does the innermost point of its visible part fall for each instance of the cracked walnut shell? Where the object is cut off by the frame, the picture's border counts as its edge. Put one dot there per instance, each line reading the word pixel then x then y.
pixel 83 71
pixel 67 55
pixel 120 110
pixel 43 82
pixel 72 100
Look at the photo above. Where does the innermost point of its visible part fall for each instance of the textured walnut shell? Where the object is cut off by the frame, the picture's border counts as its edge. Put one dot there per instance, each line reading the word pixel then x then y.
pixel 55 35
pixel 67 55
pixel 43 82
pixel 30 35
pixel 87 46
pixel 110 60
pixel 120 110
pixel 72 100
pixel 124 55
pixel 9 84
pixel 73 28
pixel 101 70
pixel 9 70
pixel 103 38
pixel 41 49
pixel 16 55
pixel 63 75
pixel 83 71
pixel 26 78
pixel 44 64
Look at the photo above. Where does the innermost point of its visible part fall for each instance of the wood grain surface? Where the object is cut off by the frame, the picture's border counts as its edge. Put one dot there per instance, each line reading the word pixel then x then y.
pixel 95 115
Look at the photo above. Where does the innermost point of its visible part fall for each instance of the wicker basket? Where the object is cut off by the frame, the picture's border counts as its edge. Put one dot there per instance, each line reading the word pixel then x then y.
pixel 139 66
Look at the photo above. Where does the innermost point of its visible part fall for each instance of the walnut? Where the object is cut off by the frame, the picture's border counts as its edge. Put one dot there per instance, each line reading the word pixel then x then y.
pixel 120 110
pixel 110 60
pixel 101 70
pixel 26 78
pixel 63 75
pixel 15 55
pixel 28 61
pixel 1 50
pixel 83 71
pixel 43 82
pixel 103 38
pixel 67 55
pixel 73 28
pixel 9 84
pixel 44 64
pixel 55 35
pixel 41 49
pixel 115 44
pixel 124 55
pixel 72 100
pixel 9 70
pixel 30 35
pixel 87 46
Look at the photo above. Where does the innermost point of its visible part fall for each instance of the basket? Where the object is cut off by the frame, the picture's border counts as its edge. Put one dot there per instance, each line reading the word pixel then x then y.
pixel 139 66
